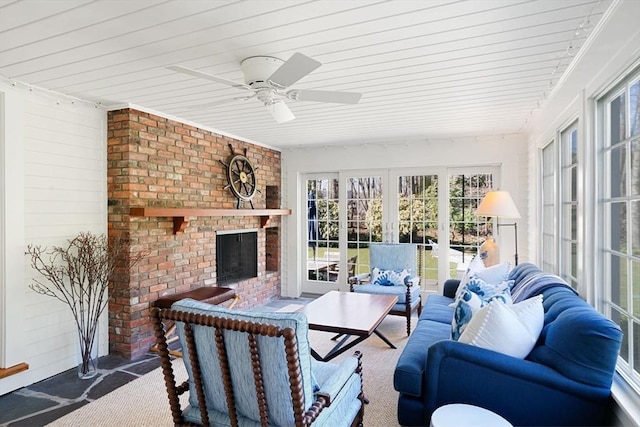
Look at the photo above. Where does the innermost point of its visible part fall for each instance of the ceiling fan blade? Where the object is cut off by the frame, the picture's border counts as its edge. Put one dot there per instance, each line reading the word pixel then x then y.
pixel 196 73
pixel 325 96
pixel 280 111
pixel 293 70
pixel 219 102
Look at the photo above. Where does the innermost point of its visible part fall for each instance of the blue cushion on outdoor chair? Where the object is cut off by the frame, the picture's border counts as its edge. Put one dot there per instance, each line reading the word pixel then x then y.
pixel 399 290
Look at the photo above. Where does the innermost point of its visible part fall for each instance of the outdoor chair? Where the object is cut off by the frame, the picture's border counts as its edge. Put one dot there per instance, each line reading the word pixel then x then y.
pixel 351 269
pixel 393 272
pixel 455 256
pixel 254 368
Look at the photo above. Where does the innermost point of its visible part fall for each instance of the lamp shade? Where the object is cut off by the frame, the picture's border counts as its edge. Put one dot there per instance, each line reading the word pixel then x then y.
pixel 498 204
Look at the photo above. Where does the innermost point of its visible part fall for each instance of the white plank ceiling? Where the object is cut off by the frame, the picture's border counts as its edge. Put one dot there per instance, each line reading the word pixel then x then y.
pixel 426 68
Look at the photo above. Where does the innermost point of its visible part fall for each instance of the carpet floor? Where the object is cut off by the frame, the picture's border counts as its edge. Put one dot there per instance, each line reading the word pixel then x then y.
pixel 144 402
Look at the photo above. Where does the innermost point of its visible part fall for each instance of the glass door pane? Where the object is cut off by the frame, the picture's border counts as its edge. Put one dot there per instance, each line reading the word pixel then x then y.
pixel 323 246
pixel 467 231
pixel 417 200
pixel 364 215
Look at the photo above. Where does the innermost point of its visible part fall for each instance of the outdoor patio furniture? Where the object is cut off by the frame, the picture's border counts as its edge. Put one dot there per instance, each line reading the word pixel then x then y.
pixel 351 269
pixel 455 256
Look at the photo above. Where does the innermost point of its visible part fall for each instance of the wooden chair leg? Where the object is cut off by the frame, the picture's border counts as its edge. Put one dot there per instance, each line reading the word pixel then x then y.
pixel 409 324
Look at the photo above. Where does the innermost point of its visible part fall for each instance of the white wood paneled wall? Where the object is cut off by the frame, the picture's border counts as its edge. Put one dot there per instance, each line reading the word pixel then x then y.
pixel 54 187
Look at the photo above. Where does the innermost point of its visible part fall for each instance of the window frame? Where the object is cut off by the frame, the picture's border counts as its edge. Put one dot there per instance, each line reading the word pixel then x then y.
pixel 629 369
pixel 548 253
pixel 569 197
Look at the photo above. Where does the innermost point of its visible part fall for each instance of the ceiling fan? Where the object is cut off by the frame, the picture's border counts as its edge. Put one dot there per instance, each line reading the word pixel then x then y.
pixel 269 78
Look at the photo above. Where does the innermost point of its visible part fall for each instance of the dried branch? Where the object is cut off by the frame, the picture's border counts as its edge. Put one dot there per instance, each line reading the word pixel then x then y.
pixel 79 276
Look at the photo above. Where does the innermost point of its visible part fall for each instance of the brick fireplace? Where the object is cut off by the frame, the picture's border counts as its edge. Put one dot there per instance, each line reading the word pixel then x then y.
pixel 154 162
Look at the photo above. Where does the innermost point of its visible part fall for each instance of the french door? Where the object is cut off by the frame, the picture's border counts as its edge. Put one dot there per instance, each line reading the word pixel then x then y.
pixel 321 269
pixel 347 211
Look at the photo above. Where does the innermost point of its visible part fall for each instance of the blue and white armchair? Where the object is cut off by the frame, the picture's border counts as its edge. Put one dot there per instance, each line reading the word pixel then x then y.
pixel 252 369
pixel 393 272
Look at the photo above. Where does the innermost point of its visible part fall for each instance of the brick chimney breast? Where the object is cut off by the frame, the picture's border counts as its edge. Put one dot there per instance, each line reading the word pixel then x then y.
pixel 153 161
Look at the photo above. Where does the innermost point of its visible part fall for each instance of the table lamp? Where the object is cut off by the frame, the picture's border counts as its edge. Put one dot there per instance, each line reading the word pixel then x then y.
pixel 499 204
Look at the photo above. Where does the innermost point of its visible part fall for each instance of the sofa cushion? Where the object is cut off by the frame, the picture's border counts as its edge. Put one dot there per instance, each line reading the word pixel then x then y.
pixel 508 329
pixel 437 308
pixel 409 374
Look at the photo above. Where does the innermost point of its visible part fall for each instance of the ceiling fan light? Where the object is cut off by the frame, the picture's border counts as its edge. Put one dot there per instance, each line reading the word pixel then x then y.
pixel 280 112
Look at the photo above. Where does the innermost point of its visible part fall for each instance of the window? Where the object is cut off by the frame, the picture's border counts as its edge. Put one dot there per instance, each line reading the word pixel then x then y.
pixel 569 205
pixel 466 229
pixel 619 208
pixel 548 208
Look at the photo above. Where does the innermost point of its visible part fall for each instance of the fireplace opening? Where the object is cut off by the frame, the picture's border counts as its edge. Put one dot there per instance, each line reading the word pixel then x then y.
pixel 236 256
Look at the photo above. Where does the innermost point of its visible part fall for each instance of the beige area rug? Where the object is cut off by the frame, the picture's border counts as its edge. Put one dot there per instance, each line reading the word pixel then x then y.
pixel 144 402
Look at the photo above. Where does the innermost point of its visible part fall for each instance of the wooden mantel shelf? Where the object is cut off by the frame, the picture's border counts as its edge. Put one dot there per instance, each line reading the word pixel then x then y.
pixel 181 215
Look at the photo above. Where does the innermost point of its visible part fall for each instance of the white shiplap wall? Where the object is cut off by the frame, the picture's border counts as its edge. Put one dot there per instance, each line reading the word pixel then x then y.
pixel 55 186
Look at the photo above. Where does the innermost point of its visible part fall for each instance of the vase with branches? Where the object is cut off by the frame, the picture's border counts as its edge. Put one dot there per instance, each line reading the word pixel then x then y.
pixel 79 275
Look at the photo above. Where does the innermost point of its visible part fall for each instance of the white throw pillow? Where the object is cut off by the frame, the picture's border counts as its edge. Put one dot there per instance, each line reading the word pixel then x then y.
pixel 493 275
pixel 509 329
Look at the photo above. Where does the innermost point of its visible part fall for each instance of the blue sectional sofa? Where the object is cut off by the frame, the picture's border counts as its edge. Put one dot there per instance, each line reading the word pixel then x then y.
pixel 564 381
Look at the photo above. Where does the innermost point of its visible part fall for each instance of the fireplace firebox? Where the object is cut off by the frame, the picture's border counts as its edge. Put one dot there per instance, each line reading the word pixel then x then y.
pixel 236 256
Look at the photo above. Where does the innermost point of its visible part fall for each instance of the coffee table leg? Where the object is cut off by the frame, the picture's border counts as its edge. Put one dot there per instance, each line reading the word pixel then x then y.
pixel 339 348
pixel 316 355
pixel 383 338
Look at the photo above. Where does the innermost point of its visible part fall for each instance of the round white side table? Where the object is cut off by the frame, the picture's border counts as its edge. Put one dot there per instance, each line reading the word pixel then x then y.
pixel 461 414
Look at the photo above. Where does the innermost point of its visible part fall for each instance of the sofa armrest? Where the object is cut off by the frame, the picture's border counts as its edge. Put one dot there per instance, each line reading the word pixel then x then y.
pixel 450 287
pixel 524 392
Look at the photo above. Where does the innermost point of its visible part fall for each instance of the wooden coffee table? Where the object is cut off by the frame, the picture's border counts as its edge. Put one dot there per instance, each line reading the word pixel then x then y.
pixel 348 314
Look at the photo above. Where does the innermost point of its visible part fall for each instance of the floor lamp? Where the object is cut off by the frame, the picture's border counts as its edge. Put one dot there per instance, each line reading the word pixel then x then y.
pixel 499 204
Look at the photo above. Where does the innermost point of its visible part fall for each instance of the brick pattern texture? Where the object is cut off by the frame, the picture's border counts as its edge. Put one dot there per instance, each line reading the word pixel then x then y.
pixel 157 162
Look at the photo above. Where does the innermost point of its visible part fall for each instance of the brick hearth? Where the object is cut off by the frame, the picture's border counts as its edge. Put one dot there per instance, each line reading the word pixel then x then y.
pixel 157 162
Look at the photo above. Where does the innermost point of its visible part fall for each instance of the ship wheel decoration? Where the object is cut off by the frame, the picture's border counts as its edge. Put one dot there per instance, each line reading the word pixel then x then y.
pixel 241 177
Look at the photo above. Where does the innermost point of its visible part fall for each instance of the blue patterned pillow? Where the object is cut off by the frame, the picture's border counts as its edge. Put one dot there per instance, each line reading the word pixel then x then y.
pixel 476 294
pixel 493 275
pixel 389 277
